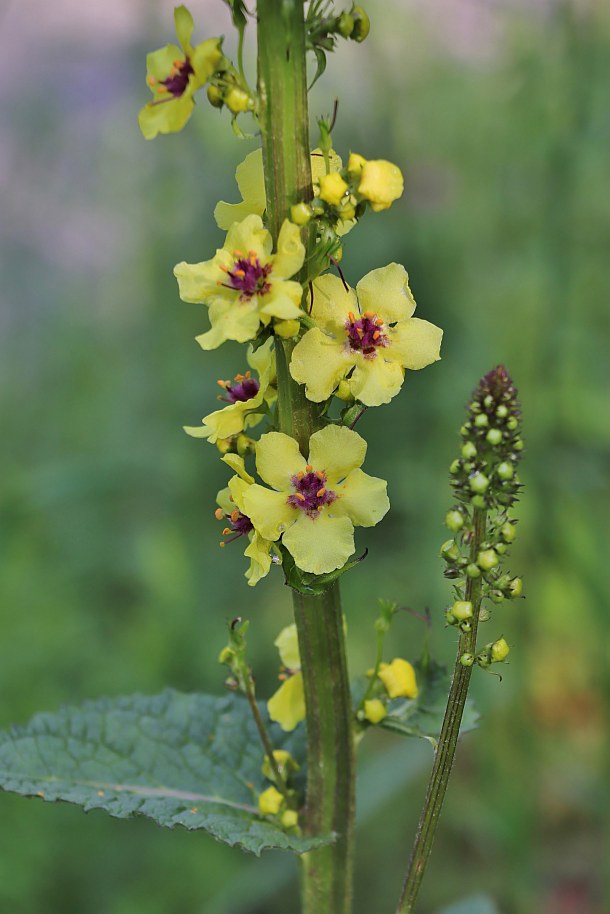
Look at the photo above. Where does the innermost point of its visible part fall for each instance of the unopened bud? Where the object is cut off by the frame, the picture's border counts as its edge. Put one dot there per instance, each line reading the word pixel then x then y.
pixel 332 188
pixel 454 520
pixel 343 391
pixel 467 659
pixel 499 651
pixel 493 436
pixel 300 213
pixel 478 483
pixel 496 595
pixel 226 655
pixel 345 25
pixel 362 24
pixel 473 571
pixel 508 532
pixel 487 559
pixel 461 610
pixel 355 163
pixel 502 411
pixel 375 710
pixel 515 588
pixel 287 329
pixel 290 818
pixel 450 551
pixel 215 96
pixel 505 470
pixel 237 100
pixel 481 421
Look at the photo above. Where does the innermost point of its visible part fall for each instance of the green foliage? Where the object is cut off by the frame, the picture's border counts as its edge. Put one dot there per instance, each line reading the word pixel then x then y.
pixel 423 716
pixel 189 760
pixel 307 583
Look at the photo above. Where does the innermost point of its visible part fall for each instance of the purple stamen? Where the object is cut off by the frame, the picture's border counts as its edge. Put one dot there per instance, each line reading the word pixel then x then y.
pixel 311 494
pixel 249 276
pixel 241 390
pixel 178 79
pixel 365 334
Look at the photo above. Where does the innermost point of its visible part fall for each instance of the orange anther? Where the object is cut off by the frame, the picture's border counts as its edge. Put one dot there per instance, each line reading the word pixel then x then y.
pixel 300 474
pixel 226 531
pixel 377 334
pixel 351 316
pixel 162 89
pixel 239 273
pixel 219 514
pixel 321 492
pixel 151 80
pixel 299 496
pixel 369 314
pixel 223 268
pixel 234 515
pixel 309 468
pixel 222 383
pixel 222 545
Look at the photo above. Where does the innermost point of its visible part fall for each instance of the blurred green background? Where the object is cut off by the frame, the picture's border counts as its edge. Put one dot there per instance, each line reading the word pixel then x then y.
pixel 111 579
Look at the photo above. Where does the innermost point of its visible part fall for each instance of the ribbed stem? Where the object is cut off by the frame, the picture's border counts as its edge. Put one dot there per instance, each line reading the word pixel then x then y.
pixel 445 751
pixel 283 116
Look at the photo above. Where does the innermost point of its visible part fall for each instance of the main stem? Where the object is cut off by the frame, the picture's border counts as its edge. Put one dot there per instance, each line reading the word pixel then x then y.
pixel 283 116
pixel 447 743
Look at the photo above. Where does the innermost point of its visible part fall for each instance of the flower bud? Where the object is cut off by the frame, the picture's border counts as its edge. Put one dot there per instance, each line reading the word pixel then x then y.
pixel 362 24
pixel 487 559
pixel 479 483
pixel 380 183
pixel 499 651
pixel 398 678
pixel 244 445
pixel 374 710
pixel 508 532
pixel 237 100
pixel 461 610
pixel 493 436
pixel 285 763
pixel 347 210
pixel 481 421
pixel 345 25
pixel 473 571
pixel 226 655
pixel 343 391
pixel 300 213
pixel 469 451
pixel 501 548
pixel 224 445
pixel 332 188
pixel 290 818
pixel 515 588
pixel 454 520
pixel 496 595
pixel 287 329
pixel 450 551
pixel 215 96
pixel 467 659
pixel 502 411
pixel 355 163
pixel 270 802
pixel 455 467
pixel 505 470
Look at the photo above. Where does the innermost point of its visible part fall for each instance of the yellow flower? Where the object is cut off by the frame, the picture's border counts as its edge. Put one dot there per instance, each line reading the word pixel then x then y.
pixel 251 183
pixel 332 188
pixel 245 285
pixel 231 509
pixel 174 74
pixel 374 710
pixel 398 678
pixel 245 395
pixel 287 706
pixel 316 503
pixel 270 802
pixel 368 334
pixel 381 183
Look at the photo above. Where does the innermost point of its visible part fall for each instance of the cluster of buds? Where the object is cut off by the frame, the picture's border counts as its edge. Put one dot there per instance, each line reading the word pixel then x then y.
pixel 279 804
pixel 323 29
pixel 486 485
pixel 229 90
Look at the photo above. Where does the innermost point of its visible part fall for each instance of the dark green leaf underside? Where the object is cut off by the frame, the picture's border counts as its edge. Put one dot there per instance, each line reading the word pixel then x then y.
pixel 189 760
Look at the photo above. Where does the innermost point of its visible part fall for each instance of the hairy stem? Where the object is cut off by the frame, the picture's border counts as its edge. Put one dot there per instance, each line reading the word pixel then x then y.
pixel 445 751
pixel 283 115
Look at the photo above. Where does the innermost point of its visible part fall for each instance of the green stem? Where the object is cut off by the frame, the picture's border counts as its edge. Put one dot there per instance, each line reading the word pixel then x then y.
pixel 280 783
pixel 445 751
pixel 283 117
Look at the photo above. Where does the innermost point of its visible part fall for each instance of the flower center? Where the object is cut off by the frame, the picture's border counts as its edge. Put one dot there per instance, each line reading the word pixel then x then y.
pixel 248 275
pixel 310 492
pixel 241 389
pixel 239 524
pixel 365 334
pixel 178 78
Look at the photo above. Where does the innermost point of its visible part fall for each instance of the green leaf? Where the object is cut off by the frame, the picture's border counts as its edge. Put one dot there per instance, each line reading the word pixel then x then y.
pixel 308 583
pixel 477 904
pixel 423 716
pixel 190 760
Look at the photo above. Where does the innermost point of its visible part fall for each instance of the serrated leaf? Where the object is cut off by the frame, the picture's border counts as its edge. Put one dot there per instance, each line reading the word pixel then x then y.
pixel 189 760
pixel 423 716
pixel 477 904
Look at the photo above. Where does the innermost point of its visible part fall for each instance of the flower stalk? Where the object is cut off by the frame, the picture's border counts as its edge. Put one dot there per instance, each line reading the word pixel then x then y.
pixel 283 113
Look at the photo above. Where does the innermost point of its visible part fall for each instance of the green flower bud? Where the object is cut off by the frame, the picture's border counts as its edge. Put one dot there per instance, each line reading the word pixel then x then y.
pixel 497 596
pixel 215 96
pixel 505 470
pixel 455 467
pixel 488 401
pixel 515 588
pixel 245 445
pixel 450 618
pixel 478 483
pixel 461 610
pixel 487 559
pixel 484 615
pixel 450 551
pixel 499 651
pixel 237 100
pixel 508 532
pixel 465 431
pixel 478 501
pixel 467 659
pixel 466 626
pixel 512 424
pixel 483 659
pixel 502 411
pixel 501 548
pixel 494 436
pixel 300 213
pixel 454 520
pixel 362 24
pixel 481 421
pixel 226 655
pixel 518 444
pixel 473 571
pixel 345 25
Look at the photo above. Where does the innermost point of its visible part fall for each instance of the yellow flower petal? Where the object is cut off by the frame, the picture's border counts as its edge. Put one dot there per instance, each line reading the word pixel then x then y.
pixel 198 281
pixel 386 292
pixel 336 450
pixel 398 678
pixel 283 300
pixel 238 466
pixel 362 498
pixel 375 710
pixel 277 460
pixel 320 544
pixel 287 706
pixel 290 251
pixel 269 511
pixel 416 343
pixel 260 560
pixel 251 184
pixel 332 188
pixel 238 320
pixel 376 381
pixel 319 362
pixel 249 235
pixel 287 643
pixel 381 183
pixel 332 304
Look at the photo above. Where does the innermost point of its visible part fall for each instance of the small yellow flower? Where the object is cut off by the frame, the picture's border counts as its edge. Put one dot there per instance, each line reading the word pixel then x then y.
pixel 332 188
pixel 381 183
pixel 355 163
pixel 290 818
pixel 270 802
pixel 316 503
pixel 368 334
pixel 245 285
pixel 245 395
pixel 398 678
pixel 231 510
pixel 174 74
pixel 375 710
